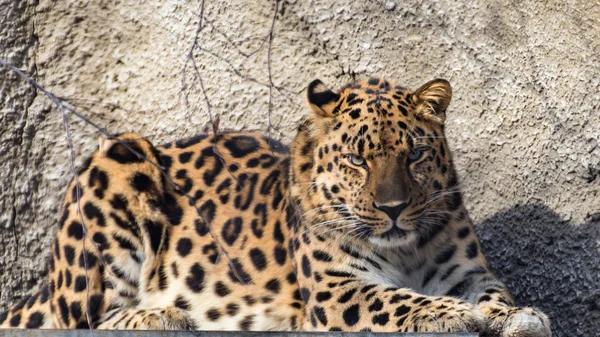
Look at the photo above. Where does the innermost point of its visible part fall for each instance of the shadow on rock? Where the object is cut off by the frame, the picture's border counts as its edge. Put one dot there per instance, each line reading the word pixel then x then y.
pixel 548 263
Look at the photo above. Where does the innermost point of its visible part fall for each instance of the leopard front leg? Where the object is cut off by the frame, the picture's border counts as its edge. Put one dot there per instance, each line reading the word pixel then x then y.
pixel 506 320
pixel 490 296
pixel 466 276
pixel 146 319
pixel 354 306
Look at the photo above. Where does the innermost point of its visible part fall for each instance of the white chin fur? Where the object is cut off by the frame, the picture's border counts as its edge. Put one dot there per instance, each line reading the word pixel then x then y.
pixel 406 240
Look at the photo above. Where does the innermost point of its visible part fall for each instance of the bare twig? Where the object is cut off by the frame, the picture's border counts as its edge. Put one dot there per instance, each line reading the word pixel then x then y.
pixel 227 38
pixel 232 67
pixel 55 99
pixel 190 58
pixel 271 32
pixel 74 101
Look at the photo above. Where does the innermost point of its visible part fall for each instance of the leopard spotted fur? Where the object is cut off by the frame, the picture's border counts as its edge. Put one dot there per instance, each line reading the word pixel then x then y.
pixel 359 227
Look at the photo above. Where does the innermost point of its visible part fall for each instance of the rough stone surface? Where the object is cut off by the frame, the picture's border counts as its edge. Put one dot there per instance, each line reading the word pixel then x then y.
pixel 524 122
pixel 22 246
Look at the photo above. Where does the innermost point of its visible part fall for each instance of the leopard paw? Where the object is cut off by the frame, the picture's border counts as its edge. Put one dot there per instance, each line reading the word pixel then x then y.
pixel 165 319
pixel 516 322
pixel 526 322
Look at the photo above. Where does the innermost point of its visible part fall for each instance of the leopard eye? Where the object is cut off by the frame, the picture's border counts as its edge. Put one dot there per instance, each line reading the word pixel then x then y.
pixel 356 160
pixel 415 155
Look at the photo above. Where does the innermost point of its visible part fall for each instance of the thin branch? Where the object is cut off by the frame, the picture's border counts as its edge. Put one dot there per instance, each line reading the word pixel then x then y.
pixel 72 100
pixel 271 85
pixel 232 67
pixel 227 38
pixel 55 99
pixel 271 32
pixel 190 58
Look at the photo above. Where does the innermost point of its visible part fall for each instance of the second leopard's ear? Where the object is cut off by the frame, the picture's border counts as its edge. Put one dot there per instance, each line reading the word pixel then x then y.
pixel 104 144
pixel 321 99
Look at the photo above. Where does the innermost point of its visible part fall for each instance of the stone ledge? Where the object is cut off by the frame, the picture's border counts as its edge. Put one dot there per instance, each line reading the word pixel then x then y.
pixel 105 333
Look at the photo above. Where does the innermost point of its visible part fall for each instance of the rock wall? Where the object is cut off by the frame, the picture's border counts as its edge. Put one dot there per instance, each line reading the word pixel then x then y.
pixel 524 121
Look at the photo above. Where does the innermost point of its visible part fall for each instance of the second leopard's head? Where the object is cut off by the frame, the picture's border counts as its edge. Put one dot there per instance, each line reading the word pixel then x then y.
pixel 371 162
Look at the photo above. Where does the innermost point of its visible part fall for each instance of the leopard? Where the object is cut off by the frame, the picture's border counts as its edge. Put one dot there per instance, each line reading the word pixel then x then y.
pixel 358 225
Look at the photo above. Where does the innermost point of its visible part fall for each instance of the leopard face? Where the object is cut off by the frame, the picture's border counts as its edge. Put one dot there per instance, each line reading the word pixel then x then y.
pixel 375 164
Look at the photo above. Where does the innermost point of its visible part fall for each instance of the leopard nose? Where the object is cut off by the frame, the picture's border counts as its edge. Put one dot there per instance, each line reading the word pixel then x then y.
pixel 392 210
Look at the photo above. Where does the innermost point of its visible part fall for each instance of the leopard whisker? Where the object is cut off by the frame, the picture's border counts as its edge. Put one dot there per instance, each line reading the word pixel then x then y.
pixel 339 227
pixel 327 223
pixel 316 209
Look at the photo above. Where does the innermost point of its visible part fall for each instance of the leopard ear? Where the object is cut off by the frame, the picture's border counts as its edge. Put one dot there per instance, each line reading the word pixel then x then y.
pixel 433 99
pixel 104 144
pixel 321 99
